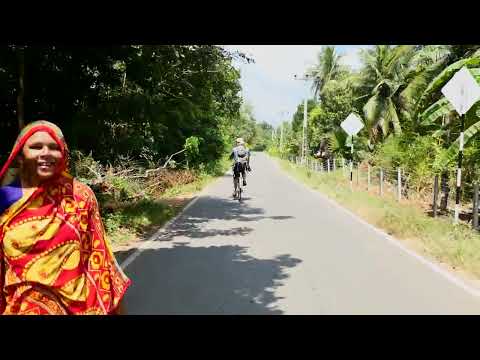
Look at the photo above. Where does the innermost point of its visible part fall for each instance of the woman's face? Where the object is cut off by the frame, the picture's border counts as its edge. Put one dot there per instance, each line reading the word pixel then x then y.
pixel 41 157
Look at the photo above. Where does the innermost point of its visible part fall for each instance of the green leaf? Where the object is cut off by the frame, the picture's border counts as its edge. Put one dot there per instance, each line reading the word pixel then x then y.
pixel 392 117
pixel 417 82
pixel 348 141
pixel 382 124
pixel 372 110
pixel 438 133
pixel 442 107
pixel 445 76
pixel 455 147
pixel 436 111
pixel 338 140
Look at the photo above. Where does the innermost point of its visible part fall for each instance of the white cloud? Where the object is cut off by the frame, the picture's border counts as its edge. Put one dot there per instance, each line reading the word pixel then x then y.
pixel 351 56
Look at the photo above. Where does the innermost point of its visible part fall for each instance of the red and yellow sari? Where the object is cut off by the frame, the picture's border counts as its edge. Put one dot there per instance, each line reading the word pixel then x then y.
pixel 54 256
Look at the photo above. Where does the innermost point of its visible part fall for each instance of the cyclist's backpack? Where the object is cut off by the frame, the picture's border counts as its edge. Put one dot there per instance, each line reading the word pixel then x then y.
pixel 242 154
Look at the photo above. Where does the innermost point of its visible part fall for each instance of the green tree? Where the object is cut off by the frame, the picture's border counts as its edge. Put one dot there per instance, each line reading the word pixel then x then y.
pixel 140 101
pixel 382 76
pixel 327 68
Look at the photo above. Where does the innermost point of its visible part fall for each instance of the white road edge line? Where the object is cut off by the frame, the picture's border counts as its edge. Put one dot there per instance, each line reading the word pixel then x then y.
pixel 165 228
pixel 452 278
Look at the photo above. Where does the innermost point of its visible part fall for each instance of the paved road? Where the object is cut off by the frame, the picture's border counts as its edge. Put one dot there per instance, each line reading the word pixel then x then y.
pixel 284 250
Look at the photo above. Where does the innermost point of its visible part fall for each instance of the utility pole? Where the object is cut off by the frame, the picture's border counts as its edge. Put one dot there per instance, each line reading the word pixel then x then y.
pixel 282 114
pixel 304 136
pixel 304 142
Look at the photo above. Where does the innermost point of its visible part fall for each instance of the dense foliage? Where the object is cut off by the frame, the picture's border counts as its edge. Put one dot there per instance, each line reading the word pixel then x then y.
pixel 140 102
pixel 396 92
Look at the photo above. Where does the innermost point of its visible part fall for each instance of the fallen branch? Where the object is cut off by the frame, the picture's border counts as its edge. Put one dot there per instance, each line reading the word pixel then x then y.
pixel 148 172
pixel 99 176
pixel 171 156
pixel 126 171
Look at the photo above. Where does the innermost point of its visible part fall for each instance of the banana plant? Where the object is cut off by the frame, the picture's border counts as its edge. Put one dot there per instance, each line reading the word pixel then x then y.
pixel 472 63
pixel 453 150
pixel 435 111
pixel 442 107
pixel 423 68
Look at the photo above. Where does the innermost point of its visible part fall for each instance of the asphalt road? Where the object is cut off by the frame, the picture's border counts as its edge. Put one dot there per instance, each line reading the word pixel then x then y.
pixel 283 250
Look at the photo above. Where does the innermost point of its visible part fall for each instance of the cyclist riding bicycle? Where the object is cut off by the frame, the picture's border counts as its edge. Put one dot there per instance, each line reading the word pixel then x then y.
pixel 241 162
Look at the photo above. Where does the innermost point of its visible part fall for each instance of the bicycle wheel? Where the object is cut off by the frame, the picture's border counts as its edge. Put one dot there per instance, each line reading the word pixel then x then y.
pixel 236 185
pixel 240 190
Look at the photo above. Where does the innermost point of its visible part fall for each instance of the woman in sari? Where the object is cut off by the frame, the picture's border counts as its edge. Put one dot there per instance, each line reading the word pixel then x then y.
pixel 54 255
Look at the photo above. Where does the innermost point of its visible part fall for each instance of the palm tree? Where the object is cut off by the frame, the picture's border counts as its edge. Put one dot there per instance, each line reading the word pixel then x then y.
pixel 427 63
pixel 382 75
pixel 328 68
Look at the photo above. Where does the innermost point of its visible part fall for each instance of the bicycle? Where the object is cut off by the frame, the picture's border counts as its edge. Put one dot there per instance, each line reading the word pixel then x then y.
pixel 238 188
pixel 239 170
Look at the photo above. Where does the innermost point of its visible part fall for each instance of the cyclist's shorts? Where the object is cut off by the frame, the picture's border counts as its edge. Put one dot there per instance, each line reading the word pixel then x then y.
pixel 239 168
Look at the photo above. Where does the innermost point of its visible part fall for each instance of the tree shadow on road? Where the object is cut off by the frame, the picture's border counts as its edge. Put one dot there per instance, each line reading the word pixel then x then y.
pixel 207 209
pixel 192 279
pixel 205 280
pixel 211 207
pixel 189 228
pixel 191 223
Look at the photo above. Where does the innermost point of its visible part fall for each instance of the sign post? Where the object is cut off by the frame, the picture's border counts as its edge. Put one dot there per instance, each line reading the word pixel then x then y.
pixel 352 125
pixel 462 91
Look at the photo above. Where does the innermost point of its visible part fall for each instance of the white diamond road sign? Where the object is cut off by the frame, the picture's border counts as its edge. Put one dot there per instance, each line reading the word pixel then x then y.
pixel 462 91
pixel 352 124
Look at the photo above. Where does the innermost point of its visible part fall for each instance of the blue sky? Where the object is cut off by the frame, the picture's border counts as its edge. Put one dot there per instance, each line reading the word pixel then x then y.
pixel 268 84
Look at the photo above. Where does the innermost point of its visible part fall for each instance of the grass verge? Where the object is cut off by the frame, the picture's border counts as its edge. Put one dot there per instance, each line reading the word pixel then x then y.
pixel 457 246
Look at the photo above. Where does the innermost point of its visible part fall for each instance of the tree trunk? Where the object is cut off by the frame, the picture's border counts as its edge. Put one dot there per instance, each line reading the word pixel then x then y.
pixel 21 87
pixel 445 192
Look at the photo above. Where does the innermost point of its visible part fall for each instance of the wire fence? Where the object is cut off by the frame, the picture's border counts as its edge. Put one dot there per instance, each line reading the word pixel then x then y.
pixel 434 194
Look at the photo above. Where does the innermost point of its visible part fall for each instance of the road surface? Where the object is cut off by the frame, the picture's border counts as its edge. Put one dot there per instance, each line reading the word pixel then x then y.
pixel 284 250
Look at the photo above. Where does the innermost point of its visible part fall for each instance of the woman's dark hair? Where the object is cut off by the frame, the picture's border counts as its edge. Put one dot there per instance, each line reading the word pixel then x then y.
pixel 42 116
